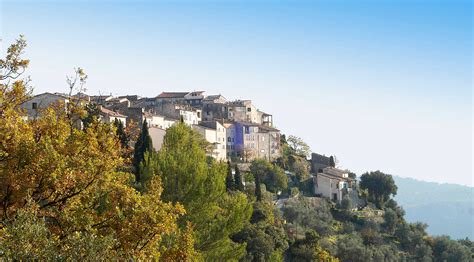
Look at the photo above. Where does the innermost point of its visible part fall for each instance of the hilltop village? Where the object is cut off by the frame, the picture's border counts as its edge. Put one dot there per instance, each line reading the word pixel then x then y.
pixel 237 130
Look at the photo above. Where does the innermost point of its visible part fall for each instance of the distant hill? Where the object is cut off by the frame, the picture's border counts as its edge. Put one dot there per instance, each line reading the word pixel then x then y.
pixel 448 209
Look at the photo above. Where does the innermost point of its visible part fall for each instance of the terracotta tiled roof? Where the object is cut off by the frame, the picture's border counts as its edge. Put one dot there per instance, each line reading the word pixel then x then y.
pixel 110 112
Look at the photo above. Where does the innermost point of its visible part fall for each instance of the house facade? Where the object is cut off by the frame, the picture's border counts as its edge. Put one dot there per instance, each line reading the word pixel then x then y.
pixel 214 133
pixel 109 116
pixel 189 98
pixel 249 141
pixel 191 116
pixel 319 162
pixel 333 183
pixel 34 105
pixel 214 108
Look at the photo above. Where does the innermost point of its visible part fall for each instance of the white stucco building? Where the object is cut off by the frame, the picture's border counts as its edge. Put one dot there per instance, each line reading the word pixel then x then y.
pixel 214 133
pixel 332 183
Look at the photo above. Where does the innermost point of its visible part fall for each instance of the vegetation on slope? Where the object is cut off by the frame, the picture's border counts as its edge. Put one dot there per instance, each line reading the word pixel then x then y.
pixel 69 193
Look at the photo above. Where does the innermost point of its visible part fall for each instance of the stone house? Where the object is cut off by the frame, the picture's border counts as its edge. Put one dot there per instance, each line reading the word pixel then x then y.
pixel 117 103
pixel 319 162
pixel 214 133
pixel 190 115
pixel 109 116
pixel 34 105
pixel 214 107
pixel 138 115
pixel 189 98
pixel 100 99
pixel 249 141
pixel 333 183
pixel 243 111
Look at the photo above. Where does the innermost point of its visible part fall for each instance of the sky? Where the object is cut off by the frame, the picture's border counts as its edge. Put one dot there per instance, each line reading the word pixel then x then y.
pixel 382 85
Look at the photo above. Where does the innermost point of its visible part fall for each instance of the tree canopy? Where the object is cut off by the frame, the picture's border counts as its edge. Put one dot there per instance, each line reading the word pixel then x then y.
pixel 198 183
pixel 61 195
pixel 380 186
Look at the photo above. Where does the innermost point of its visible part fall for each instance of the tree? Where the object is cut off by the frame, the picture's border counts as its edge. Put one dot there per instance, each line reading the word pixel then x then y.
pixel 391 220
pixel 332 163
pixel 446 249
pixel 229 179
pixel 308 249
pixel 265 237
pixel 122 135
pixel 272 176
pixel 258 188
pixel 238 179
pixel 380 187
pixel 143 144
pixel 60 191
pixel 301 169
pixel 198 183
pixel 298 146
pixel 92 115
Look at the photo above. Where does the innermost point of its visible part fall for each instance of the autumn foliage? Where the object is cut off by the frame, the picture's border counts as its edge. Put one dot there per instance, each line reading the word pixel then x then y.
pixel 61 191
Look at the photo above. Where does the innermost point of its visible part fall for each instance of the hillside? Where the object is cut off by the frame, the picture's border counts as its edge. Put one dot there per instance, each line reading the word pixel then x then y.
pixel 447 208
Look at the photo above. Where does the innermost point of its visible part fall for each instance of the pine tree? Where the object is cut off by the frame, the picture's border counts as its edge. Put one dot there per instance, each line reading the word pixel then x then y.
pixel 238 179
pixel 229 179
pixel 144 144
pixel 199 184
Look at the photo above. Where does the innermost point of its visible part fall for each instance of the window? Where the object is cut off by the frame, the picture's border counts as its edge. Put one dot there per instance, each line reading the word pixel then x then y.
pixel 228 139
pixel 34 105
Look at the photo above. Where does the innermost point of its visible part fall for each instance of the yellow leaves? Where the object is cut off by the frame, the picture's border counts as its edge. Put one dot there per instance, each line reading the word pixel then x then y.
pixel 79 206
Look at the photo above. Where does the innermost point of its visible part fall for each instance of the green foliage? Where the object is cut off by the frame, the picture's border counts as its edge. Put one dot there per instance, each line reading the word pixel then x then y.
pixel 446 249
pixel 121 134
pixel 308 249
pixel 309 213
pixel 229 179
pixel 143 144
pixel 272 176
pixel 92 114
pixel 346 204
pixel 301 169
pixel 265 238
pixel 239 185
pixel 380 187
pixel 195 181
pixel 298 146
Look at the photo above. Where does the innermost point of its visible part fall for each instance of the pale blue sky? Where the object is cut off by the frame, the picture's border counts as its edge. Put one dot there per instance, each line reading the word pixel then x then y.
pixel 380 84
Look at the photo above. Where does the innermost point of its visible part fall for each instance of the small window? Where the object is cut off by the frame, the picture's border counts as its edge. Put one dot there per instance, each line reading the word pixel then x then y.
pixel 249 109
pixel 228 139
pixel 34 105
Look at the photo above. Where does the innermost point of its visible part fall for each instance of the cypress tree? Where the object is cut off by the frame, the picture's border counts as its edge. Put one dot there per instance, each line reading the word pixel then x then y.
pixel 229 179
pixel 144 144
pixel 121 133
pixel 238 179
pixel 332 163
pixel 258 189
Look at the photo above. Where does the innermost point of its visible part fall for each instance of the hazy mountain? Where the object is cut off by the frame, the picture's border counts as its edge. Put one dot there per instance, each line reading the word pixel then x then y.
pixel 448 209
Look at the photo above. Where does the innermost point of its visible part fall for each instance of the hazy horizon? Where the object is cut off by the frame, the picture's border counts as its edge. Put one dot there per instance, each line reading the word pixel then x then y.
pixel 383 85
